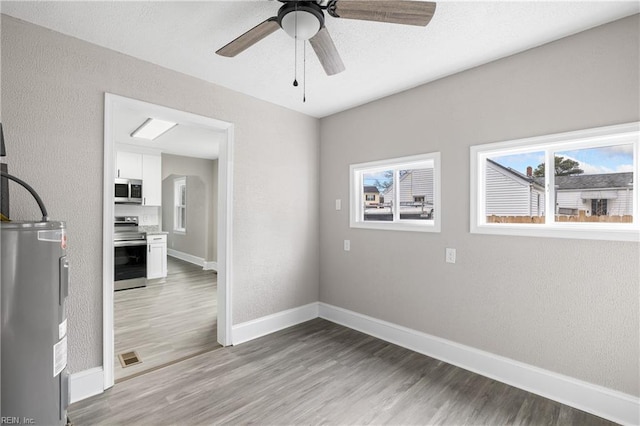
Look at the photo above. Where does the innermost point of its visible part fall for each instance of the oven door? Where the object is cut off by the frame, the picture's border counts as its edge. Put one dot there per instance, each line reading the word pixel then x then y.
pixel 130 264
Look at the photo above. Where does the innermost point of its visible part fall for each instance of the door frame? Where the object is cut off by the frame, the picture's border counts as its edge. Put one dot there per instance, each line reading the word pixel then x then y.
pixel 225 222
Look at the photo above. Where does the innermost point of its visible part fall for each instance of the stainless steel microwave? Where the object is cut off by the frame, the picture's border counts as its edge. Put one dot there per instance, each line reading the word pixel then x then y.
pixel 128 191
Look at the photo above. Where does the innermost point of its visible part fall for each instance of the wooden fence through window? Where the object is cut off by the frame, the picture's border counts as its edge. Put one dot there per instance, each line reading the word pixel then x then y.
pixel 582 217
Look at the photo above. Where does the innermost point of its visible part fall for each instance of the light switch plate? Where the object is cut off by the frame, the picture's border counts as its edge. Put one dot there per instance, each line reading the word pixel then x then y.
pixel 347 245
pixel 338 204
pixel 450 255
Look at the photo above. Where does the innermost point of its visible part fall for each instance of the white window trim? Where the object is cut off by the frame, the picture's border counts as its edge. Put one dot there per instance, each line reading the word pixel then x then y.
pixel 178 182
pixel 356 200
pixel 628 133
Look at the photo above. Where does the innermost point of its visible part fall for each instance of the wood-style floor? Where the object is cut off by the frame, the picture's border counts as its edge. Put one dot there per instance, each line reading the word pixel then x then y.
pixel 171 318
pixel 319 373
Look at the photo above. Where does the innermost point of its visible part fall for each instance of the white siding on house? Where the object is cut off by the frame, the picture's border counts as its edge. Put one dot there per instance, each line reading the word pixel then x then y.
pixel 621 205
pixel 537 202
pixel 571 200
pixel 417 182
pixel 506 194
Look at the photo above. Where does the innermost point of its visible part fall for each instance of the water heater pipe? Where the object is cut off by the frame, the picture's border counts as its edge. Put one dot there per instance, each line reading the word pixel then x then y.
pixel 43 209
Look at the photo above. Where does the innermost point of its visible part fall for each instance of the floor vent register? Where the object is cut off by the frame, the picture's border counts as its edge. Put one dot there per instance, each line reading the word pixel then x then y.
pixel 128 359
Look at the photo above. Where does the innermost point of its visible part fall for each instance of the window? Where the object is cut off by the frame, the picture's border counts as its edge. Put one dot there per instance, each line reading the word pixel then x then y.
pixel 599 207
pixel 180 205
pixel 397 194
pixel 570 185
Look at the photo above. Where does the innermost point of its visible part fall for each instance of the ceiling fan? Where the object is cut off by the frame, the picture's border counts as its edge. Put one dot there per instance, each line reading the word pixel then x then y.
pixel 304 20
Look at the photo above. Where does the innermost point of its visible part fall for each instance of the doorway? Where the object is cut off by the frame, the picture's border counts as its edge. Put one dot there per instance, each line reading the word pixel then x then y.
pixel 114 105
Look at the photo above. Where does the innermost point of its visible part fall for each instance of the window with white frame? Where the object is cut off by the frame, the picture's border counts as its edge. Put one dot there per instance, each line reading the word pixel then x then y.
pixel 396 194
pixel 180 205
pixel 572 185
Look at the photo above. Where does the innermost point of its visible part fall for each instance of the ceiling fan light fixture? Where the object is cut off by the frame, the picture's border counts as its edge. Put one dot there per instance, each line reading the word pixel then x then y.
pixel 308 24
pixel 301 19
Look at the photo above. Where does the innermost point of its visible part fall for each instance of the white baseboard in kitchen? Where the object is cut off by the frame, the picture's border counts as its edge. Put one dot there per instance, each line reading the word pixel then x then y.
pixel 604 402
pixel 207 265
pixel 85 384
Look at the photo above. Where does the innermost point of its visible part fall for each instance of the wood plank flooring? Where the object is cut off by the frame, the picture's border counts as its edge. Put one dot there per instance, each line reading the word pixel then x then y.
pixel 170 319
pixel 319 373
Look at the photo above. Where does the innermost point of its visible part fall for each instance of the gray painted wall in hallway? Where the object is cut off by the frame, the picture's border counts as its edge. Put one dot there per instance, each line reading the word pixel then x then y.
pixel 53 107
pixel 201 235
pixel 569 306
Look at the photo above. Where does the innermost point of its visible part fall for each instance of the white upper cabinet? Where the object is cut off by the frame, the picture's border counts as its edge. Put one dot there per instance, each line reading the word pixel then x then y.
pixel 151 180
pixel 128 165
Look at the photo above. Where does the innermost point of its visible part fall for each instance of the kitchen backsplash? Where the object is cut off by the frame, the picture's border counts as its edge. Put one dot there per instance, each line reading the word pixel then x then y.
pixel 147 215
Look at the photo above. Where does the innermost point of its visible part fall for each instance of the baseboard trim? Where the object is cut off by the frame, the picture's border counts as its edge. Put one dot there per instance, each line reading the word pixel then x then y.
pixel 210 266
pixel 207 265
pixel 271 323
pixel 600 401
pixel 85 384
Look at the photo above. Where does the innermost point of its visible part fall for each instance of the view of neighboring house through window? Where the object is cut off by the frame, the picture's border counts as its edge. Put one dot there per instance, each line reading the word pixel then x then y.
pixel 180 205
pixel 400 193
pixel 375 207
pixel 513 194
pixel 590 188
pixel 599 188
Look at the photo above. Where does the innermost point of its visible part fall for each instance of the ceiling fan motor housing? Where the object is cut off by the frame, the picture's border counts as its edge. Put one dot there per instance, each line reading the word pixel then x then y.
pixel 301 19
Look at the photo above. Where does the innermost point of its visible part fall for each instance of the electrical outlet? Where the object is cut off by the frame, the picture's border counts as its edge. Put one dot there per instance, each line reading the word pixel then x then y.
pixel 338 204
pixel 450 255
pixel 347 245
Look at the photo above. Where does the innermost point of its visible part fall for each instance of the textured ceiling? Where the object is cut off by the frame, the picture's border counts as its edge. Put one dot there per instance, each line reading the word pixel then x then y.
pixel 381 59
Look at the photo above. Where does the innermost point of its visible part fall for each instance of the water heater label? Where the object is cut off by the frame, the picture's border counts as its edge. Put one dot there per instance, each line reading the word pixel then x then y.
pixel 56 235
pixel 59 356
pixel 62 329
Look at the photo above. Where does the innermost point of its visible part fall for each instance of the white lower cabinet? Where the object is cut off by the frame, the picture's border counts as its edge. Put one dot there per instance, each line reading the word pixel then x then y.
pixel 156 256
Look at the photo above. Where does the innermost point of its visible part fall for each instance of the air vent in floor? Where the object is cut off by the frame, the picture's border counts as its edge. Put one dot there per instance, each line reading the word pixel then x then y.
pixel 128 359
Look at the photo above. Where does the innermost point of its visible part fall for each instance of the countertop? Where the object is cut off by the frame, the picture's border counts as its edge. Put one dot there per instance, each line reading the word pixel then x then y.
pixel 152 230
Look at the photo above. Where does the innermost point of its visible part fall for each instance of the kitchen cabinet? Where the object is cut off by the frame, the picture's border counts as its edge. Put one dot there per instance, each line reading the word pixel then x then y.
pixel 151 180
pixel 148 167
pixel 128 165
pixel 156 256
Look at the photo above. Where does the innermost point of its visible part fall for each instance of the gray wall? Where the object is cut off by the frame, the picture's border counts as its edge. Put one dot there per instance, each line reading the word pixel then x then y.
pixel 570 306
pixel 53 95
pixel 195 239
pixel 202 205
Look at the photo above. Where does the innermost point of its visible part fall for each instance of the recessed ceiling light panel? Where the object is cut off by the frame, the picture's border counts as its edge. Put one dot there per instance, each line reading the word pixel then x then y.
pixel 152 128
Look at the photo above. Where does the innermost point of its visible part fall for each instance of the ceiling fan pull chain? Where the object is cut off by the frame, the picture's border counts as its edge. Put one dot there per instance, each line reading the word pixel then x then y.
pixel 304 72
pixel 295 64
pixel 295 51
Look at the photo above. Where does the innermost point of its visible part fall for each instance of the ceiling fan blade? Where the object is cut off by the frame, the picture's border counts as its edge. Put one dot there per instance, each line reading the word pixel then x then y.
pixel 249 38
pixel 326 51
pixel 394 11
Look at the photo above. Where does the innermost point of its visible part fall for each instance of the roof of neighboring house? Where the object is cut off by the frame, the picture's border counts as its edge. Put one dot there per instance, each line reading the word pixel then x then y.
pixel 537 181
pixel 599 181
pixel 371 188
